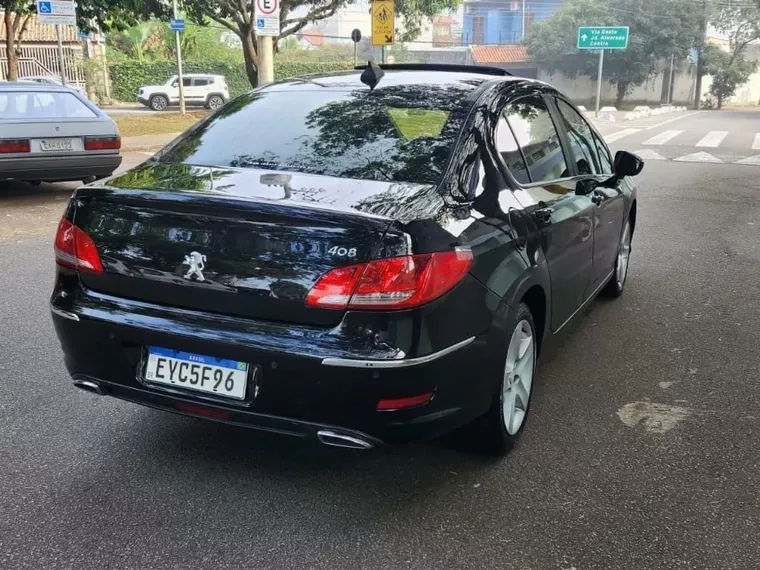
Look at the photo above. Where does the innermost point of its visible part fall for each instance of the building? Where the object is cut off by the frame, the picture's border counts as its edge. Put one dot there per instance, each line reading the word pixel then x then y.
pixel 499 22
pixel 311 38
pixel 514 58
pixel 39 52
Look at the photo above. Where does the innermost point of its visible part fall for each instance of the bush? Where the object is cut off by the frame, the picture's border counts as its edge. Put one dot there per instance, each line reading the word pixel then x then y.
pixel 127 77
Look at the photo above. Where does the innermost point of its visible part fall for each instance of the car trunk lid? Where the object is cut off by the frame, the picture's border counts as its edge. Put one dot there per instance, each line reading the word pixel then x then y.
pixel 245 243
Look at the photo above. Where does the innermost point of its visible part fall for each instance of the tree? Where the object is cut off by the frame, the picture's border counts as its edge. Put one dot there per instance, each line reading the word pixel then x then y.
pixel 106 14
pixel 16 17
pixel 741 24
pixel 658 28
pixel 728 71
pixel 237 16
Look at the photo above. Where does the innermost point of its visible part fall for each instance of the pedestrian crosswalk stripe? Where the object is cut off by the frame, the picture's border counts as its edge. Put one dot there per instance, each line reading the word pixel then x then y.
pixel 749 160
pixel 698 157
pixel 662 138
pixel 756 144
pixel 712 139
pixel 620 134
pixel 648 154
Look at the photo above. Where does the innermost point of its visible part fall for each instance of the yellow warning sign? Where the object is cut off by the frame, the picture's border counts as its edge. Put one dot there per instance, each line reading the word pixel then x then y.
pixel 383 22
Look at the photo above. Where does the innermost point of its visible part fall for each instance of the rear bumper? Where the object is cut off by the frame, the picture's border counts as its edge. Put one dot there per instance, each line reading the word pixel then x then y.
pixel 59 168
pixel 305 385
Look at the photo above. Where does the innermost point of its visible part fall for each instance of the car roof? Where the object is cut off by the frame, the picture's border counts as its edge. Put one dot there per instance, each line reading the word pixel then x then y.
pixel 33 86
pixel 398 77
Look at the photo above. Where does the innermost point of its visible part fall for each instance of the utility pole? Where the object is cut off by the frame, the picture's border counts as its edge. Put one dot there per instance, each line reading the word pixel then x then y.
pixel 700 58
pixel 522 29
pixel 180 81
pixel 61 64
pixel 670 79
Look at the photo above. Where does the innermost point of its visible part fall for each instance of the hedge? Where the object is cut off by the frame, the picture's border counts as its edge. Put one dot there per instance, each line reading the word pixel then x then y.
pixel 128 77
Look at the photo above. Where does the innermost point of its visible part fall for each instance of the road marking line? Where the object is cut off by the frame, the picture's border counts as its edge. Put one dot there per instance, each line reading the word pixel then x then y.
pixel 749 160
pixel 712 139
pixel 673 119
pixel 698 157
pixel 663 137
pixel 620 134
pixel 756 144
pixel 649 154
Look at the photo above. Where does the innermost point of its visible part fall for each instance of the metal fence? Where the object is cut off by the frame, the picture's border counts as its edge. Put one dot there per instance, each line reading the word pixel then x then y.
pixel 43 60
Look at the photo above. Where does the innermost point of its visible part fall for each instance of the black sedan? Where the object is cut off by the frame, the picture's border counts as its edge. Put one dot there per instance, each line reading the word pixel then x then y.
pixel 360 258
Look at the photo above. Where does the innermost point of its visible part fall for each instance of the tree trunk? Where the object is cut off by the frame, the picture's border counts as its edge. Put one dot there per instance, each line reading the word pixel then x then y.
pixel 10 49
pixel 251 57
pixel 622 89
pixel 720 101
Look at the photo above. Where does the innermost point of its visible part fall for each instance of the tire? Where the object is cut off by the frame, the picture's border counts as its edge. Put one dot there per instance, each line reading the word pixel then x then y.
pixel 159 102
pixel 616 284
pixel 215 102
pixel 497 431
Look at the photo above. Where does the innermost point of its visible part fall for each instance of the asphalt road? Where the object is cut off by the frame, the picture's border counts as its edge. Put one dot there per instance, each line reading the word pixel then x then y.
pixel 642 450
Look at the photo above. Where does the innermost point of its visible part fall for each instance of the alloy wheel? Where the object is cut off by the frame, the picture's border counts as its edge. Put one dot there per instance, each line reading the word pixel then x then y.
pixel 624 255
pixel 518 377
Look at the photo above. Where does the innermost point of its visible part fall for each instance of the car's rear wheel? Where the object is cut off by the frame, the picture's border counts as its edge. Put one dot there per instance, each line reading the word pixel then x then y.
pixel 215 102
pixel 158 102
pixel 497 431
pixel 616 285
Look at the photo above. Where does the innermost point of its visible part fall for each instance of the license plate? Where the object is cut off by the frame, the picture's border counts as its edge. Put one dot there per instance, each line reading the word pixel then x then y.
pixel 56 144
pixel 208 374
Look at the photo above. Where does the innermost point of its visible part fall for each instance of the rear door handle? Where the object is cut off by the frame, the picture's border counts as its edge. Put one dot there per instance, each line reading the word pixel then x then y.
pixel 544 214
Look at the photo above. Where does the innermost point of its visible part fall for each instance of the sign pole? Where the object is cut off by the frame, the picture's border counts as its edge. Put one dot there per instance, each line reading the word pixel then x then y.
pixel 599 83
pixel 61 64
pixel 180 82
pixel 267 16
pixel 266 60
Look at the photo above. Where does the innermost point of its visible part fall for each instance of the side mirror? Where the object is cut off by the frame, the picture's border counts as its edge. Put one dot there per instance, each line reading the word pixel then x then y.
pixel 627 164
pixel 176 83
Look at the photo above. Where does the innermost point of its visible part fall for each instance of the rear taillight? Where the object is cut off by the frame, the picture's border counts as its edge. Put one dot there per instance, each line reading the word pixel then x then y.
pixel 102 143
pixel 75 249
pixel 393 283
pixel 8 146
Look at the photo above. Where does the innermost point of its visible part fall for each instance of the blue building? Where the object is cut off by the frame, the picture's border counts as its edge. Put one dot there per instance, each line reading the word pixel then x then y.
pixel 494 22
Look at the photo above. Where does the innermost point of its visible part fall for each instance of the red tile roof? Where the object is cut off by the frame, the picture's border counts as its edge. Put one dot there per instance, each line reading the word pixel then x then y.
pixel 500 54
pixel 314 36
pixel 41 33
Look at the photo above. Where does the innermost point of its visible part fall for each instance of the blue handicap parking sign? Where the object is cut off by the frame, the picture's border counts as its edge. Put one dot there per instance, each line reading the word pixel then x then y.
pixel 45 7
pixel 260 23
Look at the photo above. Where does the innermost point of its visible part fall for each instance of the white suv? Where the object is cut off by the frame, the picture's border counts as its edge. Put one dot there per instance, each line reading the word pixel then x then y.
pixel 209 91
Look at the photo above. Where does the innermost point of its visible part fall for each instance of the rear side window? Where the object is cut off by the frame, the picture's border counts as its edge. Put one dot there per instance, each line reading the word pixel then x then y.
pixel 401 133
pixel 535 133
pixel 581 139
pixel 41 105
pixel 506 146
pixel 201 82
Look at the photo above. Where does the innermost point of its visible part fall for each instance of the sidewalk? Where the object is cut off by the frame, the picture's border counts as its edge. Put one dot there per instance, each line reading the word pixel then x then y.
pixel 147 142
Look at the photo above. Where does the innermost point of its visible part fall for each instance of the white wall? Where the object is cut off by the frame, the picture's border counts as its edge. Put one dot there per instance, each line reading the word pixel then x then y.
pixel 583 89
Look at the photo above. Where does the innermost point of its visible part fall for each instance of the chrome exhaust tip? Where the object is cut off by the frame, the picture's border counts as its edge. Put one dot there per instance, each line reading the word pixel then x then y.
pixel 89 386
pixel 336 439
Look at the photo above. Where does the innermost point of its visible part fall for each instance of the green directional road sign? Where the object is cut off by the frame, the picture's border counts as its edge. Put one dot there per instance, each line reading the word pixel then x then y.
pixel 603 37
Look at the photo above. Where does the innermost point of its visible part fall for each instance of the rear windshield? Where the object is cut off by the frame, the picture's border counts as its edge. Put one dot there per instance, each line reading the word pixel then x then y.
pixel 41 105
pixel 402 133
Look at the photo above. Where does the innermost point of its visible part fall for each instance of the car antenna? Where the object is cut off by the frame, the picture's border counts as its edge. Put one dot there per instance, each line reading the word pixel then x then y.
pixel 372 75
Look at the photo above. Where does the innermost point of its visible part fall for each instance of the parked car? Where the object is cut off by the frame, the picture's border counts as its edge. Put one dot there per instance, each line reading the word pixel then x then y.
pixel 208 91
pixel 51 133
pixel 386 264
pixel 50 80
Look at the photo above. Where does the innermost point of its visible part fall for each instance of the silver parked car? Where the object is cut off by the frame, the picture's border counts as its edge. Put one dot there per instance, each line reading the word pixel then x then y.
pixel 50 80
pixel 51 133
